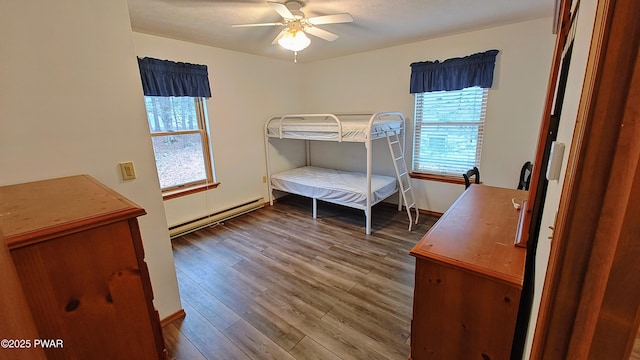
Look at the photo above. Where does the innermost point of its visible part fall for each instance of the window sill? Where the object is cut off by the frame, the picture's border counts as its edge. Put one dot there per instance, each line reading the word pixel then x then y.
pixel 172 194
pixel 438 178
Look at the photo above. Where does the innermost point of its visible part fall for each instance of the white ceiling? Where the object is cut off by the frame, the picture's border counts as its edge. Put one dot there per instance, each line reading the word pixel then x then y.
pixel 377 23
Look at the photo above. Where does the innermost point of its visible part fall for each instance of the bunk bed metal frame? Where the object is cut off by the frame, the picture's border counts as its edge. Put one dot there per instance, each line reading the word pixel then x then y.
pixel 303 127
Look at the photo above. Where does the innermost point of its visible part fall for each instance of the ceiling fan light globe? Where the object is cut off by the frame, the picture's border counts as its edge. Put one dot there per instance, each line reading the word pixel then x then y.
pixel 294 40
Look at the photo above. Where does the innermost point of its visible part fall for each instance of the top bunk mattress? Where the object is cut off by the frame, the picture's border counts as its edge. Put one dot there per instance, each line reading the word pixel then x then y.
pixel 317 128
pixel 332 185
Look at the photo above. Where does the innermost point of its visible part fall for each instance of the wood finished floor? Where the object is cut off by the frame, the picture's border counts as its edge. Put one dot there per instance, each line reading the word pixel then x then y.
pixel 277 284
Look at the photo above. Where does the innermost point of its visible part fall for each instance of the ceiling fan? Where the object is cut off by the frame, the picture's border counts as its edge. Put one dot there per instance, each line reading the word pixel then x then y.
pixel 297 25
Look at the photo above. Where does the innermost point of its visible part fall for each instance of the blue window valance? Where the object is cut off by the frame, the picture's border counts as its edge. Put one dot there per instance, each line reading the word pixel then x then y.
pixel 454 73
pixel 170 78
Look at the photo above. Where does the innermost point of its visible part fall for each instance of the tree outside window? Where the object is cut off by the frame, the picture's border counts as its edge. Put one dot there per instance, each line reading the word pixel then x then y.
pixel 180 141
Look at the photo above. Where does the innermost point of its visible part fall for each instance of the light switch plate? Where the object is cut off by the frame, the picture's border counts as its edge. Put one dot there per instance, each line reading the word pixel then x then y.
pixel 555 161
pixel 127 170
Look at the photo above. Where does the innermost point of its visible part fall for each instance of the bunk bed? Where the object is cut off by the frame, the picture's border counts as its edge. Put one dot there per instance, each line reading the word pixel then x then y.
pixel 353 189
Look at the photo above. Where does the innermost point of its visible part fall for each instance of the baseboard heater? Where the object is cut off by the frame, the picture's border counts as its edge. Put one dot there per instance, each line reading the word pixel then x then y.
pixel 214 218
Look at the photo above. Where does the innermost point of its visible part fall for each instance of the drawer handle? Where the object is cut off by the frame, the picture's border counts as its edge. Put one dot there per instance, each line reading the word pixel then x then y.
pixel 109 298
pixel 72 305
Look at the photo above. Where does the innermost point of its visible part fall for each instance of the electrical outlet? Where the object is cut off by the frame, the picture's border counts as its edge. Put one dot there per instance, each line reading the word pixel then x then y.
pixel 264 179
pixel 127 170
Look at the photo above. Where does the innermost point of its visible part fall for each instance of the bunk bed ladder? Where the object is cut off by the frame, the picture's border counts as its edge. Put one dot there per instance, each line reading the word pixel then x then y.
pixel 397 153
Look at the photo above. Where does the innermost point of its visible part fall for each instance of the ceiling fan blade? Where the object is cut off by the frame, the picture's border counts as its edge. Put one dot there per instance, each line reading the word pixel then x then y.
pixel 281 9
pixel 322 34
pixel 330 19
pixel 261 24
pixel 280 34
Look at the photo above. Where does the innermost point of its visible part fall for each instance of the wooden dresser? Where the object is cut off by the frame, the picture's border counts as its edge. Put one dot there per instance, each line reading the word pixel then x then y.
pixel 16 322
pixel 78 254
pixel 468 279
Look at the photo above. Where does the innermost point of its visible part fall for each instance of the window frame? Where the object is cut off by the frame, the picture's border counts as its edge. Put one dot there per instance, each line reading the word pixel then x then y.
pixel 203 130
pixel 450 177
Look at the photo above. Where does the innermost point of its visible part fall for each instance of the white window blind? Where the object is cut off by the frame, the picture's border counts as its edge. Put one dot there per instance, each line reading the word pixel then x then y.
pixel 448 131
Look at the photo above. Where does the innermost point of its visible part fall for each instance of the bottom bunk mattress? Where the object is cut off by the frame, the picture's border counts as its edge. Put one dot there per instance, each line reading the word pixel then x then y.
pixel 337 186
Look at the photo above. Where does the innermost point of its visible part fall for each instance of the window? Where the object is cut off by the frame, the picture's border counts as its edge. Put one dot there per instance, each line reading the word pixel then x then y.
pixel 180 141
pixel 448 131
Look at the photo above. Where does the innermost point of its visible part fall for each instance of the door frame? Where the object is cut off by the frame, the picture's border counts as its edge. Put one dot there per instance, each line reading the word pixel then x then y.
pixel 590 301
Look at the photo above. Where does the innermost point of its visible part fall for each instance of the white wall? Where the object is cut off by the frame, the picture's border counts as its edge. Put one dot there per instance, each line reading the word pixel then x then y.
pixel 71 103
pixel 70 99
pixel 246 91
pixel 379 81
